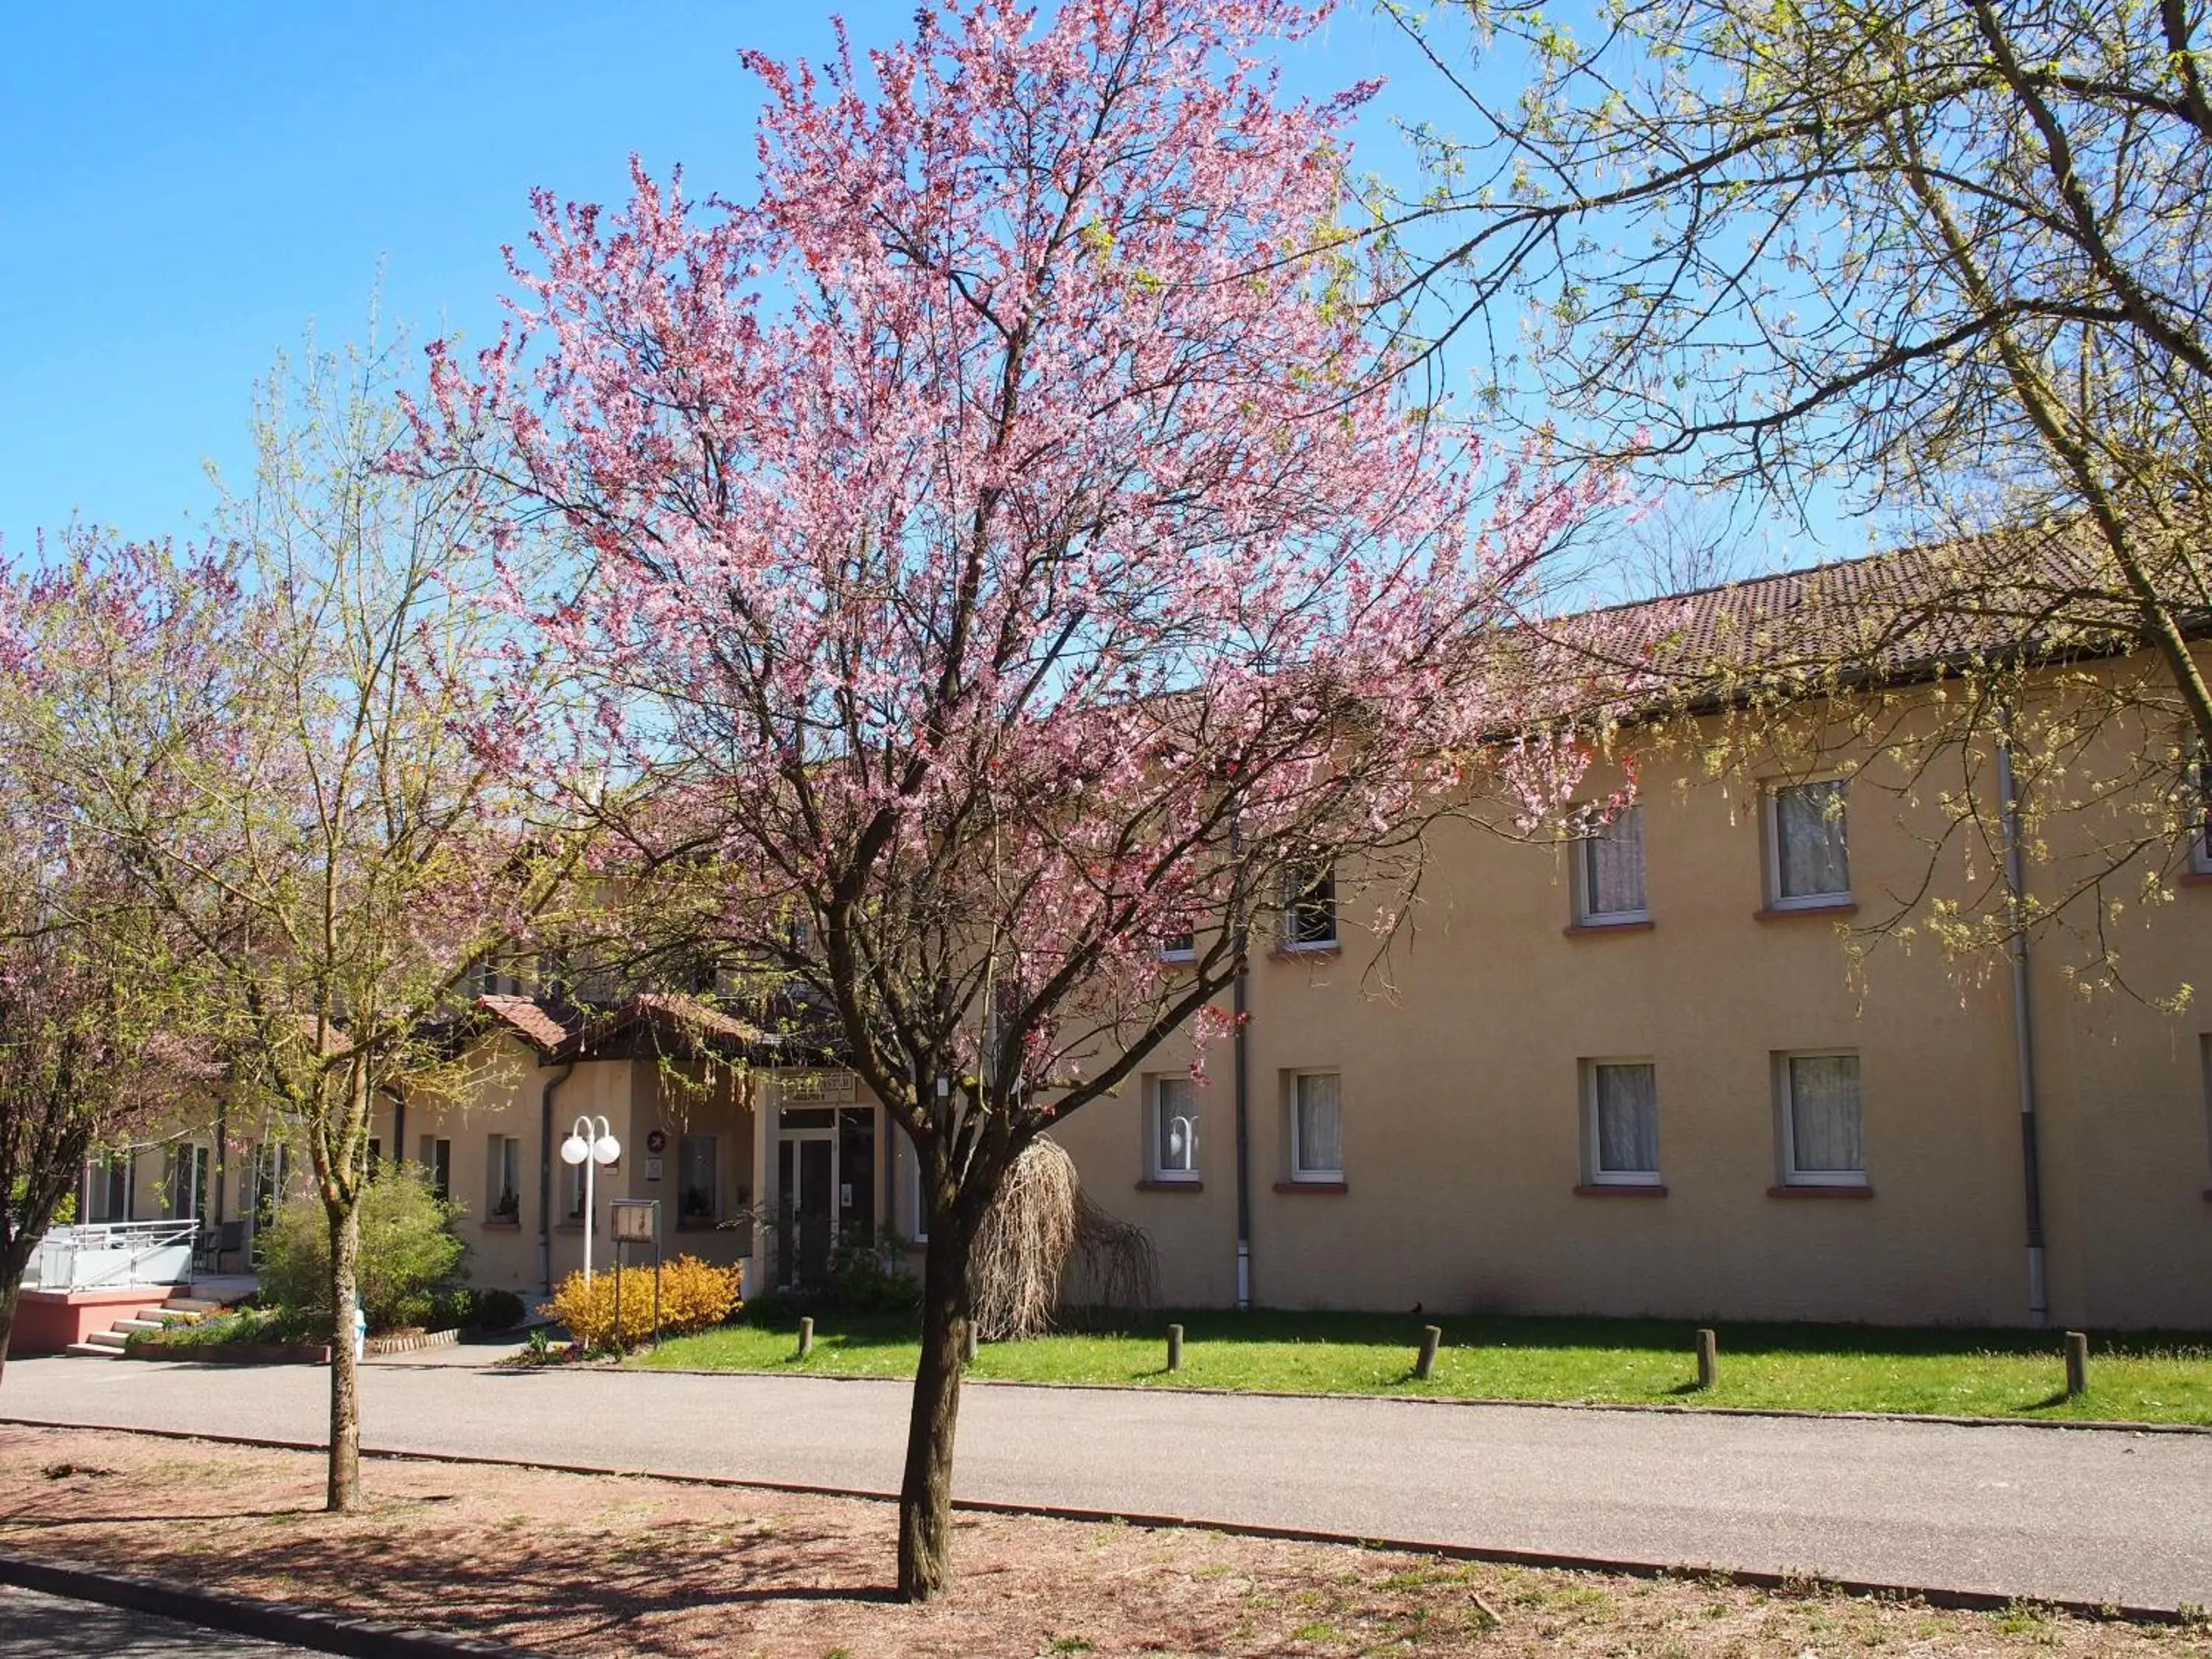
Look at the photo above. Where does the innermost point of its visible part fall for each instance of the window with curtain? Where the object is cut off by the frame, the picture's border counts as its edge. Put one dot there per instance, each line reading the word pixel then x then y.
pixel 1180 947
pixel 573 1211
pixel 1623 1129
pixel 1309 906
pixel 698 1197
pixel 1175 1129
pixel 1806 832
pixel 1612 870
pixel 1822 1142
pixel 1317 1127
pixel 503 1178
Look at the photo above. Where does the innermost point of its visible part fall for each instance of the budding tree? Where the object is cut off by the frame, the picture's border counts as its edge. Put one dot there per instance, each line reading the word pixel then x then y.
pixel 363 823
pixel 1944 262
pixel 1005 565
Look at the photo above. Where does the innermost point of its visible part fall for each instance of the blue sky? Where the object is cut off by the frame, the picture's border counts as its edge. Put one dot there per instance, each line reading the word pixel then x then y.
pixel 183 188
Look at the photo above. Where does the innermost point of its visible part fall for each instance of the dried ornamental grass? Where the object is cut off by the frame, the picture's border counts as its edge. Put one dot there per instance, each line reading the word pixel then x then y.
pixel 1021 1251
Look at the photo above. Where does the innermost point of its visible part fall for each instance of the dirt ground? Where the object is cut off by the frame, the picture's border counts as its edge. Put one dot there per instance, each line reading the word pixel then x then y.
pixel 611 1565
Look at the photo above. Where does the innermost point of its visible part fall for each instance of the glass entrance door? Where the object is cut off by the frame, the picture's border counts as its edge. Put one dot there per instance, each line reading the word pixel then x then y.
pixel 808 1174
pixel 825 1182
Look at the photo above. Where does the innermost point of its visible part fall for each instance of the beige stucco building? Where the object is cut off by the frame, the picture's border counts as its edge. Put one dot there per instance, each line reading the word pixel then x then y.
pixel 1713 1063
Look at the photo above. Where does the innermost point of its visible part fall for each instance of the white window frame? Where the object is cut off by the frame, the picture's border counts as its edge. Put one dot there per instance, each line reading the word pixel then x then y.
pixel 1592 1171
pixel 497 1150
pixel 1298 880
pixel 2200 830
pixel 572 1203
pixel 1776 900
pixel 100 1175
pixel 1170 952
pixel 916 1207
pixel 1154 1104
pixel 429 1145
pixel 1786 1126
pixel 1586 911
pixel 1299 1173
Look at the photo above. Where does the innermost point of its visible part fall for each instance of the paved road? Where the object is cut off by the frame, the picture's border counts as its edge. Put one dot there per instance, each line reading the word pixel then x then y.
pixel 2089 1515
pixel 47 1627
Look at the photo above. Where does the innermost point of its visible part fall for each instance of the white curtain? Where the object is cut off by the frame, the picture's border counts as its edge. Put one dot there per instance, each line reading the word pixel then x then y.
pixel 1321 1125
pixel 1177 1129
pixel 1614 867
pixel 1824 1115
pixel 1627 1120
pixel 1808 827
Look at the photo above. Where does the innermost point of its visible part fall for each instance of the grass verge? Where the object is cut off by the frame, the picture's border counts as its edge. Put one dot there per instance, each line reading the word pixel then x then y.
pixel 1829 1368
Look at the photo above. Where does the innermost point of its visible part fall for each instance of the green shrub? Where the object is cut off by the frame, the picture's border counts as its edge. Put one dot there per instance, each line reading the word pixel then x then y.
pixel 408 1248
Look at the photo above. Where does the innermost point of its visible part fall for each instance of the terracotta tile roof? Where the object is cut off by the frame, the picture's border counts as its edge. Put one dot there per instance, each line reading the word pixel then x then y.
pixel 529 1019
pixel 692 1015
pixel 1893 615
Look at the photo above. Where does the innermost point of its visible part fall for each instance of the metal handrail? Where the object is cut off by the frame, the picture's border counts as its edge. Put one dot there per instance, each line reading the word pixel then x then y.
pixel 113 1253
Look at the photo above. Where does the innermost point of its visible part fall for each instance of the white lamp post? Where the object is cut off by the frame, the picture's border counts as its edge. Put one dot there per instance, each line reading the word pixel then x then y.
pixel 584 1147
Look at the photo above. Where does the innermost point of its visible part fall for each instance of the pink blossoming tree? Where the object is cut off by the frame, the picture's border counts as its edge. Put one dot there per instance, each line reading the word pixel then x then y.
pixel 101 652
pixel 1009 566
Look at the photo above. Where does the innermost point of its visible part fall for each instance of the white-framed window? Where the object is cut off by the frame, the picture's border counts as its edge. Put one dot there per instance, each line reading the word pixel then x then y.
pixel 1180 947
pixel 1808 861
pixel 503 1178
pixel 917 1207
pixel 1316 1126
pixel 1172 1129
pixel 438 1160
pixel 2200 821
pixel 1309 906
pixel 572 1208
pixel 188 1181
pixel 1620 1122
pixel 498 977
pixel 1611 885
pixel 698 1181
pixel 107 1190
pixel 1823 1142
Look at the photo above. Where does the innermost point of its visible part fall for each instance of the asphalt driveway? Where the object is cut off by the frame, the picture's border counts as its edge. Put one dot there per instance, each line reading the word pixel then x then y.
pixel 2087 1515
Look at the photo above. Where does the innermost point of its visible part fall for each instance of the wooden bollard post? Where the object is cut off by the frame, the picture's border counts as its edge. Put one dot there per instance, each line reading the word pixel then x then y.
pixel 968 1344
pixel 805 1338
pixel 2077 1364
pixel 1175 1348
pixel 1708 1357
pixel 1426 1366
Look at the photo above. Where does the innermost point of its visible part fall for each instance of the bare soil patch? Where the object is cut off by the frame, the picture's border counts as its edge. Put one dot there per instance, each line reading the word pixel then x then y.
pixel 617 1565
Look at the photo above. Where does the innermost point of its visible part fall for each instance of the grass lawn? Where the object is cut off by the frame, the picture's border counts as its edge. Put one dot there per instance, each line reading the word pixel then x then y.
pixel 1968 1373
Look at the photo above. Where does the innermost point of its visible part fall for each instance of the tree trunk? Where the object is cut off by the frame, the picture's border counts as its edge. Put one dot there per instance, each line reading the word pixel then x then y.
pixel 344 1492
pixel 925 1550
pixel 12 1289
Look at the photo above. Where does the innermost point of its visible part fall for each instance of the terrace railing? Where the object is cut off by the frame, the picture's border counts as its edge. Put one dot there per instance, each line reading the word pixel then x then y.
pixel 113 1256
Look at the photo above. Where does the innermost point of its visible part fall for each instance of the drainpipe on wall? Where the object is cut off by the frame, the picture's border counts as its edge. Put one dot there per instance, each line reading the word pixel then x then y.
pixel 1243 1145
pixel 398 1127
pixel 545 1177
pixel 2023 1026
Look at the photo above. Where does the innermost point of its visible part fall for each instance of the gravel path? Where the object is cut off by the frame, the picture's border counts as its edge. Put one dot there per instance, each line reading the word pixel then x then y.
pixel 2087 1515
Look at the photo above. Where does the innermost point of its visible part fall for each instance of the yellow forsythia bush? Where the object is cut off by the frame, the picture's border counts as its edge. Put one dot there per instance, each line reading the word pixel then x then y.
pixel 695 1296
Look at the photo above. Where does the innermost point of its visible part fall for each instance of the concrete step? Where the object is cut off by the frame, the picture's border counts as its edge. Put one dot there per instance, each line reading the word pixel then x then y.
pixel 91 1350
pixel 109 1341
pixel 191 1304
pixel 141 1324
